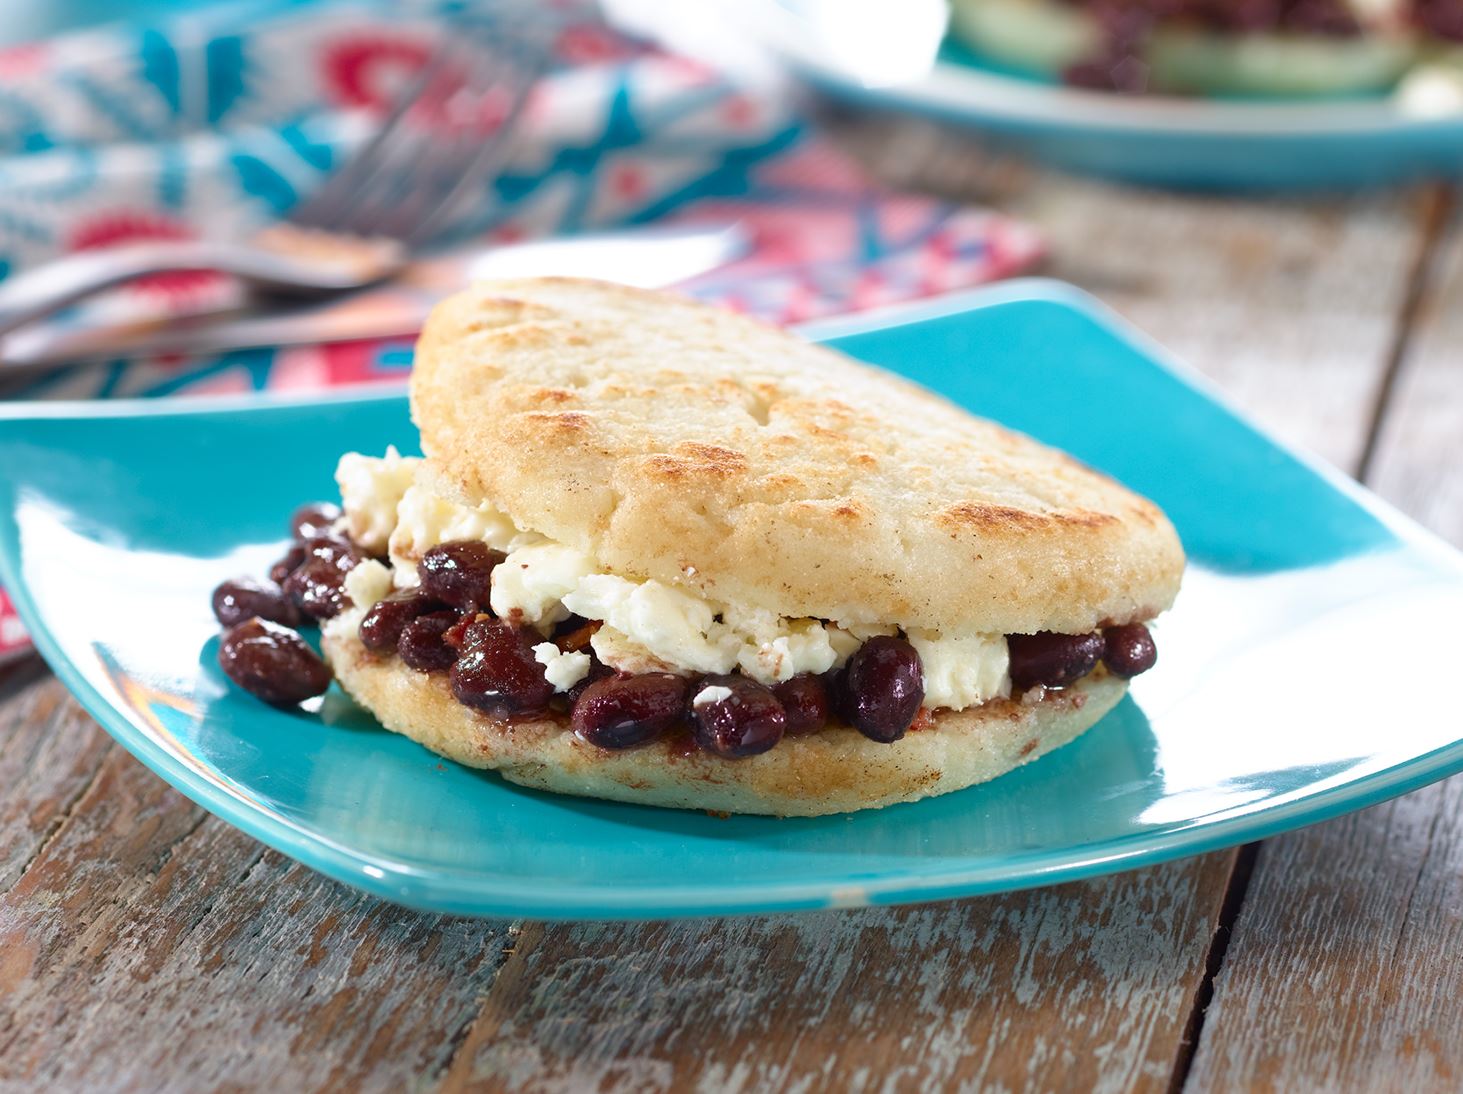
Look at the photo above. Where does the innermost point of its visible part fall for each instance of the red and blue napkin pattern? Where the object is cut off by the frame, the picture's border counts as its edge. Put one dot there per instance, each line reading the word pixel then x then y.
pixel 216 123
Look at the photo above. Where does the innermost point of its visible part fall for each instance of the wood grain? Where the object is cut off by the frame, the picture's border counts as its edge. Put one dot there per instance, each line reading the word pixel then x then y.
pixel 1343 972
pixel 1421 442
pixel 150 945
pixel 1288 305
pixel 49 754
pixel 1291 310
pixel 1083 987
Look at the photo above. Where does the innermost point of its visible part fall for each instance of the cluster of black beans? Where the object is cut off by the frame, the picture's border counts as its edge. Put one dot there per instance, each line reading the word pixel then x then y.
pixel 261 649
pixel 445 625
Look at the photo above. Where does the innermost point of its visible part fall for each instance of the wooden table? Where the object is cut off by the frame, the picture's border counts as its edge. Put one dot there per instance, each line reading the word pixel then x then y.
pixel 145 944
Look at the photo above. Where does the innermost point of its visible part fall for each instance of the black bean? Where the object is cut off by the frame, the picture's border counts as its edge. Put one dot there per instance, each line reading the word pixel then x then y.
pixel 318 587
pixel 805 699
pixel 272 662
pixel 460 573
pixel 835 681
pixel 340 552
pixel 382 624
pixel 496 670
pixel 623 711
pixel 1052 660
pixel 279 573
pixel 314 519
pixel 747 721
pixel 244 598
pixel 883 686
pixel 421 646
pixel 1129 650
pixel 318 584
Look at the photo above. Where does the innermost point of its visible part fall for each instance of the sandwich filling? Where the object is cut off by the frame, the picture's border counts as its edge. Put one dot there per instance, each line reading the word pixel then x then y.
pixel 525 623
pixel 644 625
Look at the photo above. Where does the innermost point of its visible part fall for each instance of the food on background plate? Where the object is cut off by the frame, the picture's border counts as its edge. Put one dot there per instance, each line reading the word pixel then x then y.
pixel 1279 48
pixel 1441 25
pixel 1435 88
pixel 660 553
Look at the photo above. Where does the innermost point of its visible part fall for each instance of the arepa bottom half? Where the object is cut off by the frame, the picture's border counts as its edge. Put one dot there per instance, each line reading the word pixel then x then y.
pixel 836 770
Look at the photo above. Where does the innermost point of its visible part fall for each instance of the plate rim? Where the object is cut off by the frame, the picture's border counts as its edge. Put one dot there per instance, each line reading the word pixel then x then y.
pixel 472 893
pixel 964 92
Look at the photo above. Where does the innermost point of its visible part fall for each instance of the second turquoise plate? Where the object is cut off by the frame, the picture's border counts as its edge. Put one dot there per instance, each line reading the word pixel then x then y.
pixel 1189 143
pixel 1297 676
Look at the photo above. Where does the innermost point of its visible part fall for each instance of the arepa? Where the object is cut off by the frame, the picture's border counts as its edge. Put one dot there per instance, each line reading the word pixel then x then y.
pixel 674 494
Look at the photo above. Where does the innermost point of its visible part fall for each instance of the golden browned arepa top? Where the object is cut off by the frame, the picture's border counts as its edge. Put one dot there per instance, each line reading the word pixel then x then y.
pixel 677 441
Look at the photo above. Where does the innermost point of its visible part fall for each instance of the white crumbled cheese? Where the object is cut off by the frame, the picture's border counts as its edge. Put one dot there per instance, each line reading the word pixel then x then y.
pixel 370 490
pixel 534 580
pixel 714 694
pixel 775 649
pixel 618 651
pixel 844 644
pixel 561 669
pixel 963 670
pixel 425 519
pixel 670 625
pixel 367 583
pixel 649 623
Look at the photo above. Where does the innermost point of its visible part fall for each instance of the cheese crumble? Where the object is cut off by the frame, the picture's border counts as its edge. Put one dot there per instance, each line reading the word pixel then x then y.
pixel 714 694
pixel 561 669
pixel 646 625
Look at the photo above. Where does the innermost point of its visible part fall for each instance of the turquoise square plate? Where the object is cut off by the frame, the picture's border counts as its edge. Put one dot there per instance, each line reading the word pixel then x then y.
pixel 1298 678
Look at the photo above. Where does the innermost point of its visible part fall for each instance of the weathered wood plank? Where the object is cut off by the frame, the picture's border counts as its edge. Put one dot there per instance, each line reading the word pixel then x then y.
pixel 1083 987
pixel 1288 308
pixel 148 945
pixel 1344 970
pixel 1286 304
pixel 49 753
pixel 1420 444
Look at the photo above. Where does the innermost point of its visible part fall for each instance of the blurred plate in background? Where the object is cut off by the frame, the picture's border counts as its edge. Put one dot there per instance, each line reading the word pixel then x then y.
pixel 895 57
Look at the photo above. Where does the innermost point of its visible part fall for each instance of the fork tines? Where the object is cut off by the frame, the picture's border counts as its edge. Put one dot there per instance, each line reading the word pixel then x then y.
pixel 447 134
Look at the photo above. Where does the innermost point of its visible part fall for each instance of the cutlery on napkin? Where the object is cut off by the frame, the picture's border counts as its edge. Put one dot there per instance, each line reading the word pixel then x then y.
pixel 650 257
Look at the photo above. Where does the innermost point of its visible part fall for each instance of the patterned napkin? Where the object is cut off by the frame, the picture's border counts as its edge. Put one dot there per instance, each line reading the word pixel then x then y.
pixel 214 124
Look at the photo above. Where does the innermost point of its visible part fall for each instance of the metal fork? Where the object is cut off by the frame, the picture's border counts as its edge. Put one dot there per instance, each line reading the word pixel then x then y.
pixel 392 196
